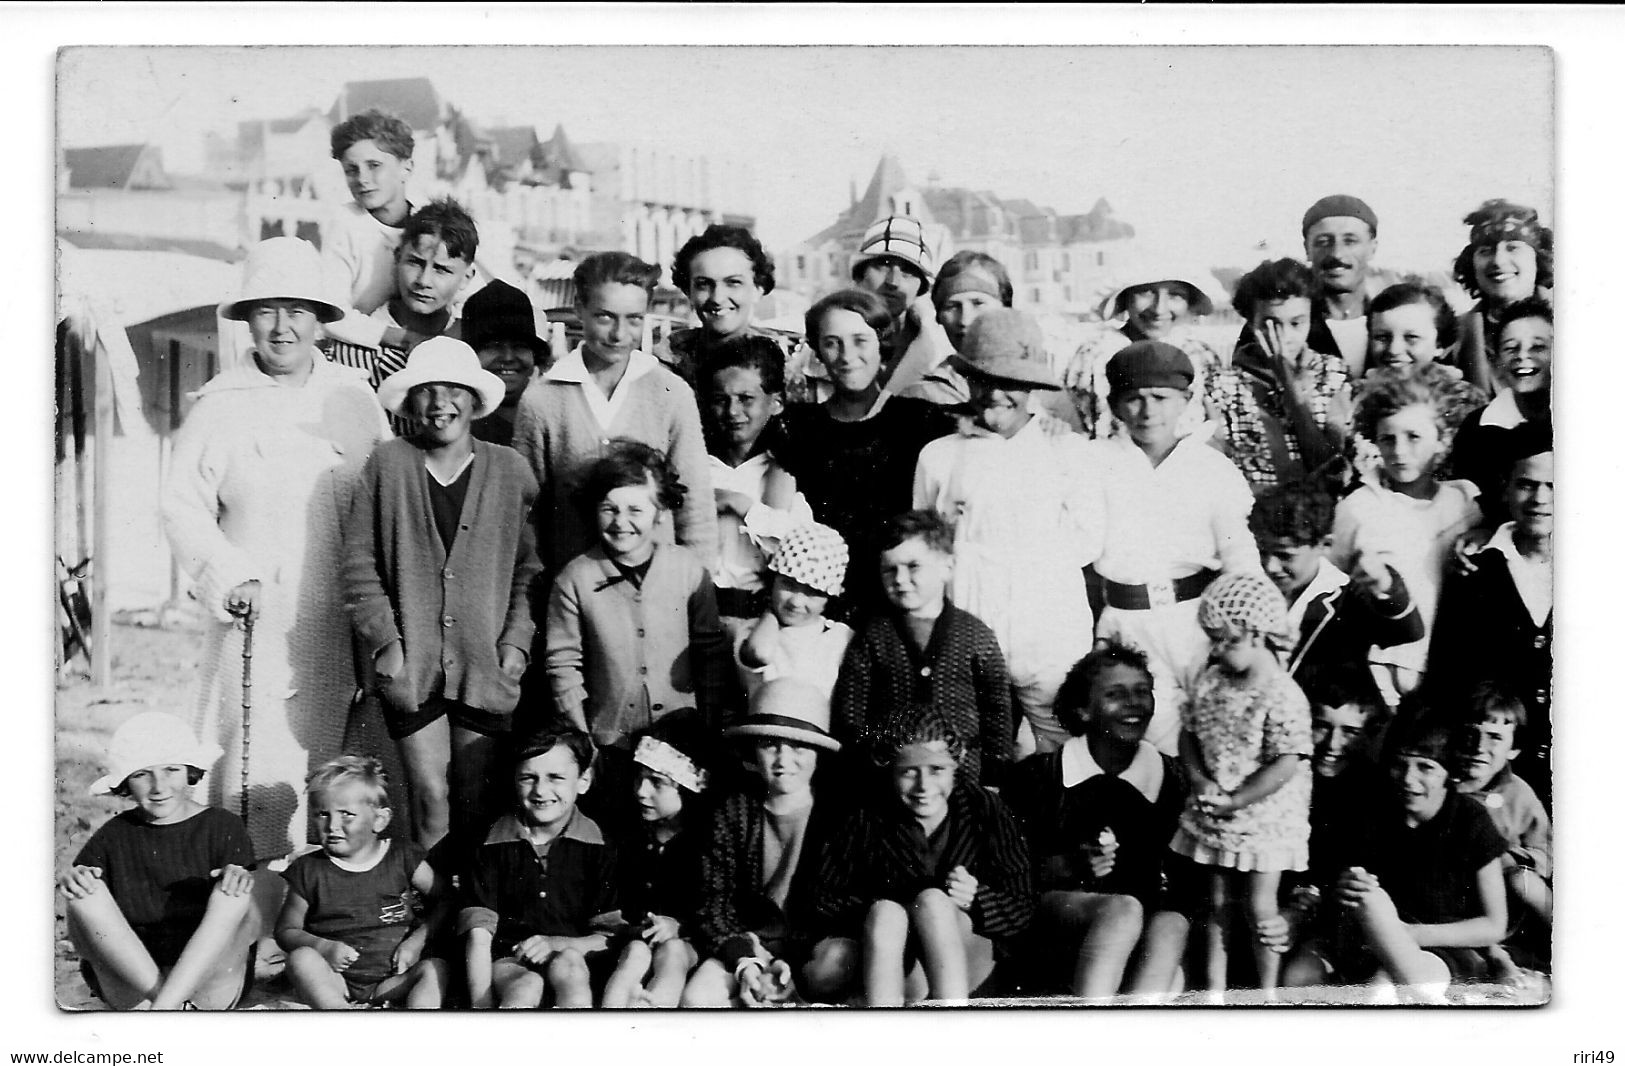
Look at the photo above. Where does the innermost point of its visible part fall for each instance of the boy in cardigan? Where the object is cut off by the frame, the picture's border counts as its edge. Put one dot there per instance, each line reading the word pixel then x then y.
pixel 925 652
pixel 931 878
pixel 440 557
pixel 609 388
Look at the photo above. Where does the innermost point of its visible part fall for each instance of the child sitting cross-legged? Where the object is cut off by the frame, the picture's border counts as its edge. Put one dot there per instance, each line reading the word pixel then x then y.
pixel 931 879
pixel 792 638
pixel 159 899
pixel 1099 813
pixel 660 866
pixel 537 891
pixel 350 921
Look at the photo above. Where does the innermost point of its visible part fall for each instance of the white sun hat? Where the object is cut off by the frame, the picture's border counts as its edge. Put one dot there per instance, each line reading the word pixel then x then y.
pixel 152 738
pixel 448 360
pixel 282 268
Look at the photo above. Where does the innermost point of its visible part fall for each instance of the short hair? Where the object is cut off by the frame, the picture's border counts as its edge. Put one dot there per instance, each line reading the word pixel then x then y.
pixel 916 724
pixel 1389 394
pixel 384 128
pixel 1077 689
pixel 448 223
pixel 718 235
pixel 1411 291
pixel 194 774
pixel 544 740
pixel 1342 684
pixel 1528 307
pixel 1421 731
pixel 928 526
pixel 362 769
pixel 861 302
pixel 967 260
pixel 1299 512
pixel 1271 282
pixel 748 352
pixel 1494 699
pixel 631 462
pixel 1545 260
pixel 613 268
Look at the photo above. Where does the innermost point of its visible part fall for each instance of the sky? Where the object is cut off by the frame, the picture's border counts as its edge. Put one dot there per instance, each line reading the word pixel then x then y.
pixel 1205 151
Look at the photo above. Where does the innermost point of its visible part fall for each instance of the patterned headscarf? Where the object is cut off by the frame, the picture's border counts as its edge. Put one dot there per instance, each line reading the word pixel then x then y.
pixel 814 555
pixel 1248 602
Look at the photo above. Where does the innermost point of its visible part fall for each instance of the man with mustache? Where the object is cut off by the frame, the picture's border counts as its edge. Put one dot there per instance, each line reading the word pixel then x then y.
pixel 1339 240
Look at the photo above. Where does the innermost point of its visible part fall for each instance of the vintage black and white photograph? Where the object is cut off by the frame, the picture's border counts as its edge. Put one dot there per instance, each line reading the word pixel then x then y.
pixel 673 525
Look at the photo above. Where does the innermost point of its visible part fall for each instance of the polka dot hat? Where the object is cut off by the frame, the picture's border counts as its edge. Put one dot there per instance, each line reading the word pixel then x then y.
pixel 814 555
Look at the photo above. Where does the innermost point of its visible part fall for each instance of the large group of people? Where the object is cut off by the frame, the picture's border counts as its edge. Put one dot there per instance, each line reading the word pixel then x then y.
pixel 913 660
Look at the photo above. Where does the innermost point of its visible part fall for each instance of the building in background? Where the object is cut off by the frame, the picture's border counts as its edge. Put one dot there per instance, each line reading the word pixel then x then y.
pixel 121 197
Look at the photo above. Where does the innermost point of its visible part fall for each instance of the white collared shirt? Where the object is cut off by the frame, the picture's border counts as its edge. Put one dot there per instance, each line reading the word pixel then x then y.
pixel 1327 580
pixel 573 368
pixel 1502 412
pixel 447 482
pixel 1532 578
pixel 1144 772
pixel 744 543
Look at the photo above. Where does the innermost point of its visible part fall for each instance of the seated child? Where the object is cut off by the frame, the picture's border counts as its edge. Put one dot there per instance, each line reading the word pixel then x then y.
pixel 1335 617
pixel 350 921
pixel 930 881
pixel 632 627
pixel 500 325
pixel 660 867
pixel 440 556
pixel 742 396
pixel 1245 749
pixel 792 638
pixel 159 899
pixel 540 886
pixel 757 933
pixel 1099 813
pixel 1489 741
pixel 1409 518
pixel 1426 898
pixel 925 652
pixel 374 149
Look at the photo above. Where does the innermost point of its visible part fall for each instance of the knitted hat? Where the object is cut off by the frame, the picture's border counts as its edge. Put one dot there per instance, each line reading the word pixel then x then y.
pixel 282 268
pixel 1200 304
pixel 443 359
pixel 814 555
pixel 1006 345
pixel 788 709
pixel 152 738
pixel 1340 205
pixel 1149 365
pixel 896 237
pixel 1246 601
pixel 500 312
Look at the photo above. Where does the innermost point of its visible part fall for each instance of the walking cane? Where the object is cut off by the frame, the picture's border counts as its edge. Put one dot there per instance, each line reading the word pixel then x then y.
pixel 248 703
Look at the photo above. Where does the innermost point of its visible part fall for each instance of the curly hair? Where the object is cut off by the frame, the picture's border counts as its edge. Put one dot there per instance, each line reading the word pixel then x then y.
pixel 928 526
pixel 718 235
pixel 1415 291
pixel 384 128
pixel 362 769
pixel 1297 512
pixel 613 268
pixel 861 302
pixel 449 223
pixel 1388 394
pixel 1271 282
pixel 964 261
pixel 1077 691
pixel 1489 211
pixel 630 462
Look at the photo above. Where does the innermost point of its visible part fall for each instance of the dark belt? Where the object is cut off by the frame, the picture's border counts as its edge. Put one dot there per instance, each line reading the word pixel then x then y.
pixel 741 603
pixel 1161 594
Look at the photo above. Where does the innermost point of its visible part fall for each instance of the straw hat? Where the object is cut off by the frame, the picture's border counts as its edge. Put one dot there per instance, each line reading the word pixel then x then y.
pixel 443 359
pixel 152 738
pixel 1007 346
pixel 1117 303
pixel 788 709
pixel 895 237
pixel 282 268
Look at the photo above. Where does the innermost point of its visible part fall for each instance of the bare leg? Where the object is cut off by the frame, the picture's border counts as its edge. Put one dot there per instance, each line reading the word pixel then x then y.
pixel 829 975
pixel 1155 965
pixel 711 985
pixel 934 919
pixel 211 969
pixel 1262 892
pixel 572 984
pixel 885 939
pixel 471 757
pixel 427 756
pixel 1306 966
pixel 315 982
pixel 124 968
pixel 1402 960
pixel 628 976
pixel 1112 931
pixel 428 989
pixel 1216 929
pixel 1531 893
pixel 672 962
pixel 516 987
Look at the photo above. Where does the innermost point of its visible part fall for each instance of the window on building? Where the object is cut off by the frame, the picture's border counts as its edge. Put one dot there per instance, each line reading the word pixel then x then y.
pixel 1100 259
pixel 310 231
pixel 1038 296
pixel 801 265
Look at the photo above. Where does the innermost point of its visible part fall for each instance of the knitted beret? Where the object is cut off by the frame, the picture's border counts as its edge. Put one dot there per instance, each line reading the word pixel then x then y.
pixel 1340 205
pixel 814 555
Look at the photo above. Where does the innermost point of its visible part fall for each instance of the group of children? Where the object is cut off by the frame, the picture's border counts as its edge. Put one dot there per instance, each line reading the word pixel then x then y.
pixel 703 697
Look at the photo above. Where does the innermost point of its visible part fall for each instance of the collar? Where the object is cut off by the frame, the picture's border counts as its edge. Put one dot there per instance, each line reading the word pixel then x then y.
pixel 323 374
pixel 1193 441
pixel 1502 412
pixel 573 367
pixel 447 483
pixel 1502 541
pixel 1327 580
pixel 580 828
pixel 613 574
pixel 1144 772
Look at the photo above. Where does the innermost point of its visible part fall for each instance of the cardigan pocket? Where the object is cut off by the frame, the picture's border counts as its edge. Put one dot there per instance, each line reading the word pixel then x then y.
pixel 398 695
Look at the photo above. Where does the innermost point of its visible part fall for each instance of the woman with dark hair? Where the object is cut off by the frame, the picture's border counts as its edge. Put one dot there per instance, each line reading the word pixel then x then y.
pixel 1508 258
pixel 853 455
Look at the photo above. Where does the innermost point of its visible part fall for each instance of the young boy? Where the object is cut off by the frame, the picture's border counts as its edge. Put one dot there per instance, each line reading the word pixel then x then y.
pixel 1014 493
pixel 440 556
pixel 1174 513
pixel 374 149
pixel 349 922
pixel 792 638
pixel 1099 813
pixel 539 887
pixel 1489 740
pixel 1337 617
pixel 929 879
pixel 432 264
pixel 500 325
pixel 756 930
pixel 926 652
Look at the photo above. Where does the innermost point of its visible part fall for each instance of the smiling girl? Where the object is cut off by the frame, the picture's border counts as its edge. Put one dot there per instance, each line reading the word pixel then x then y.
pixel 1508 258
